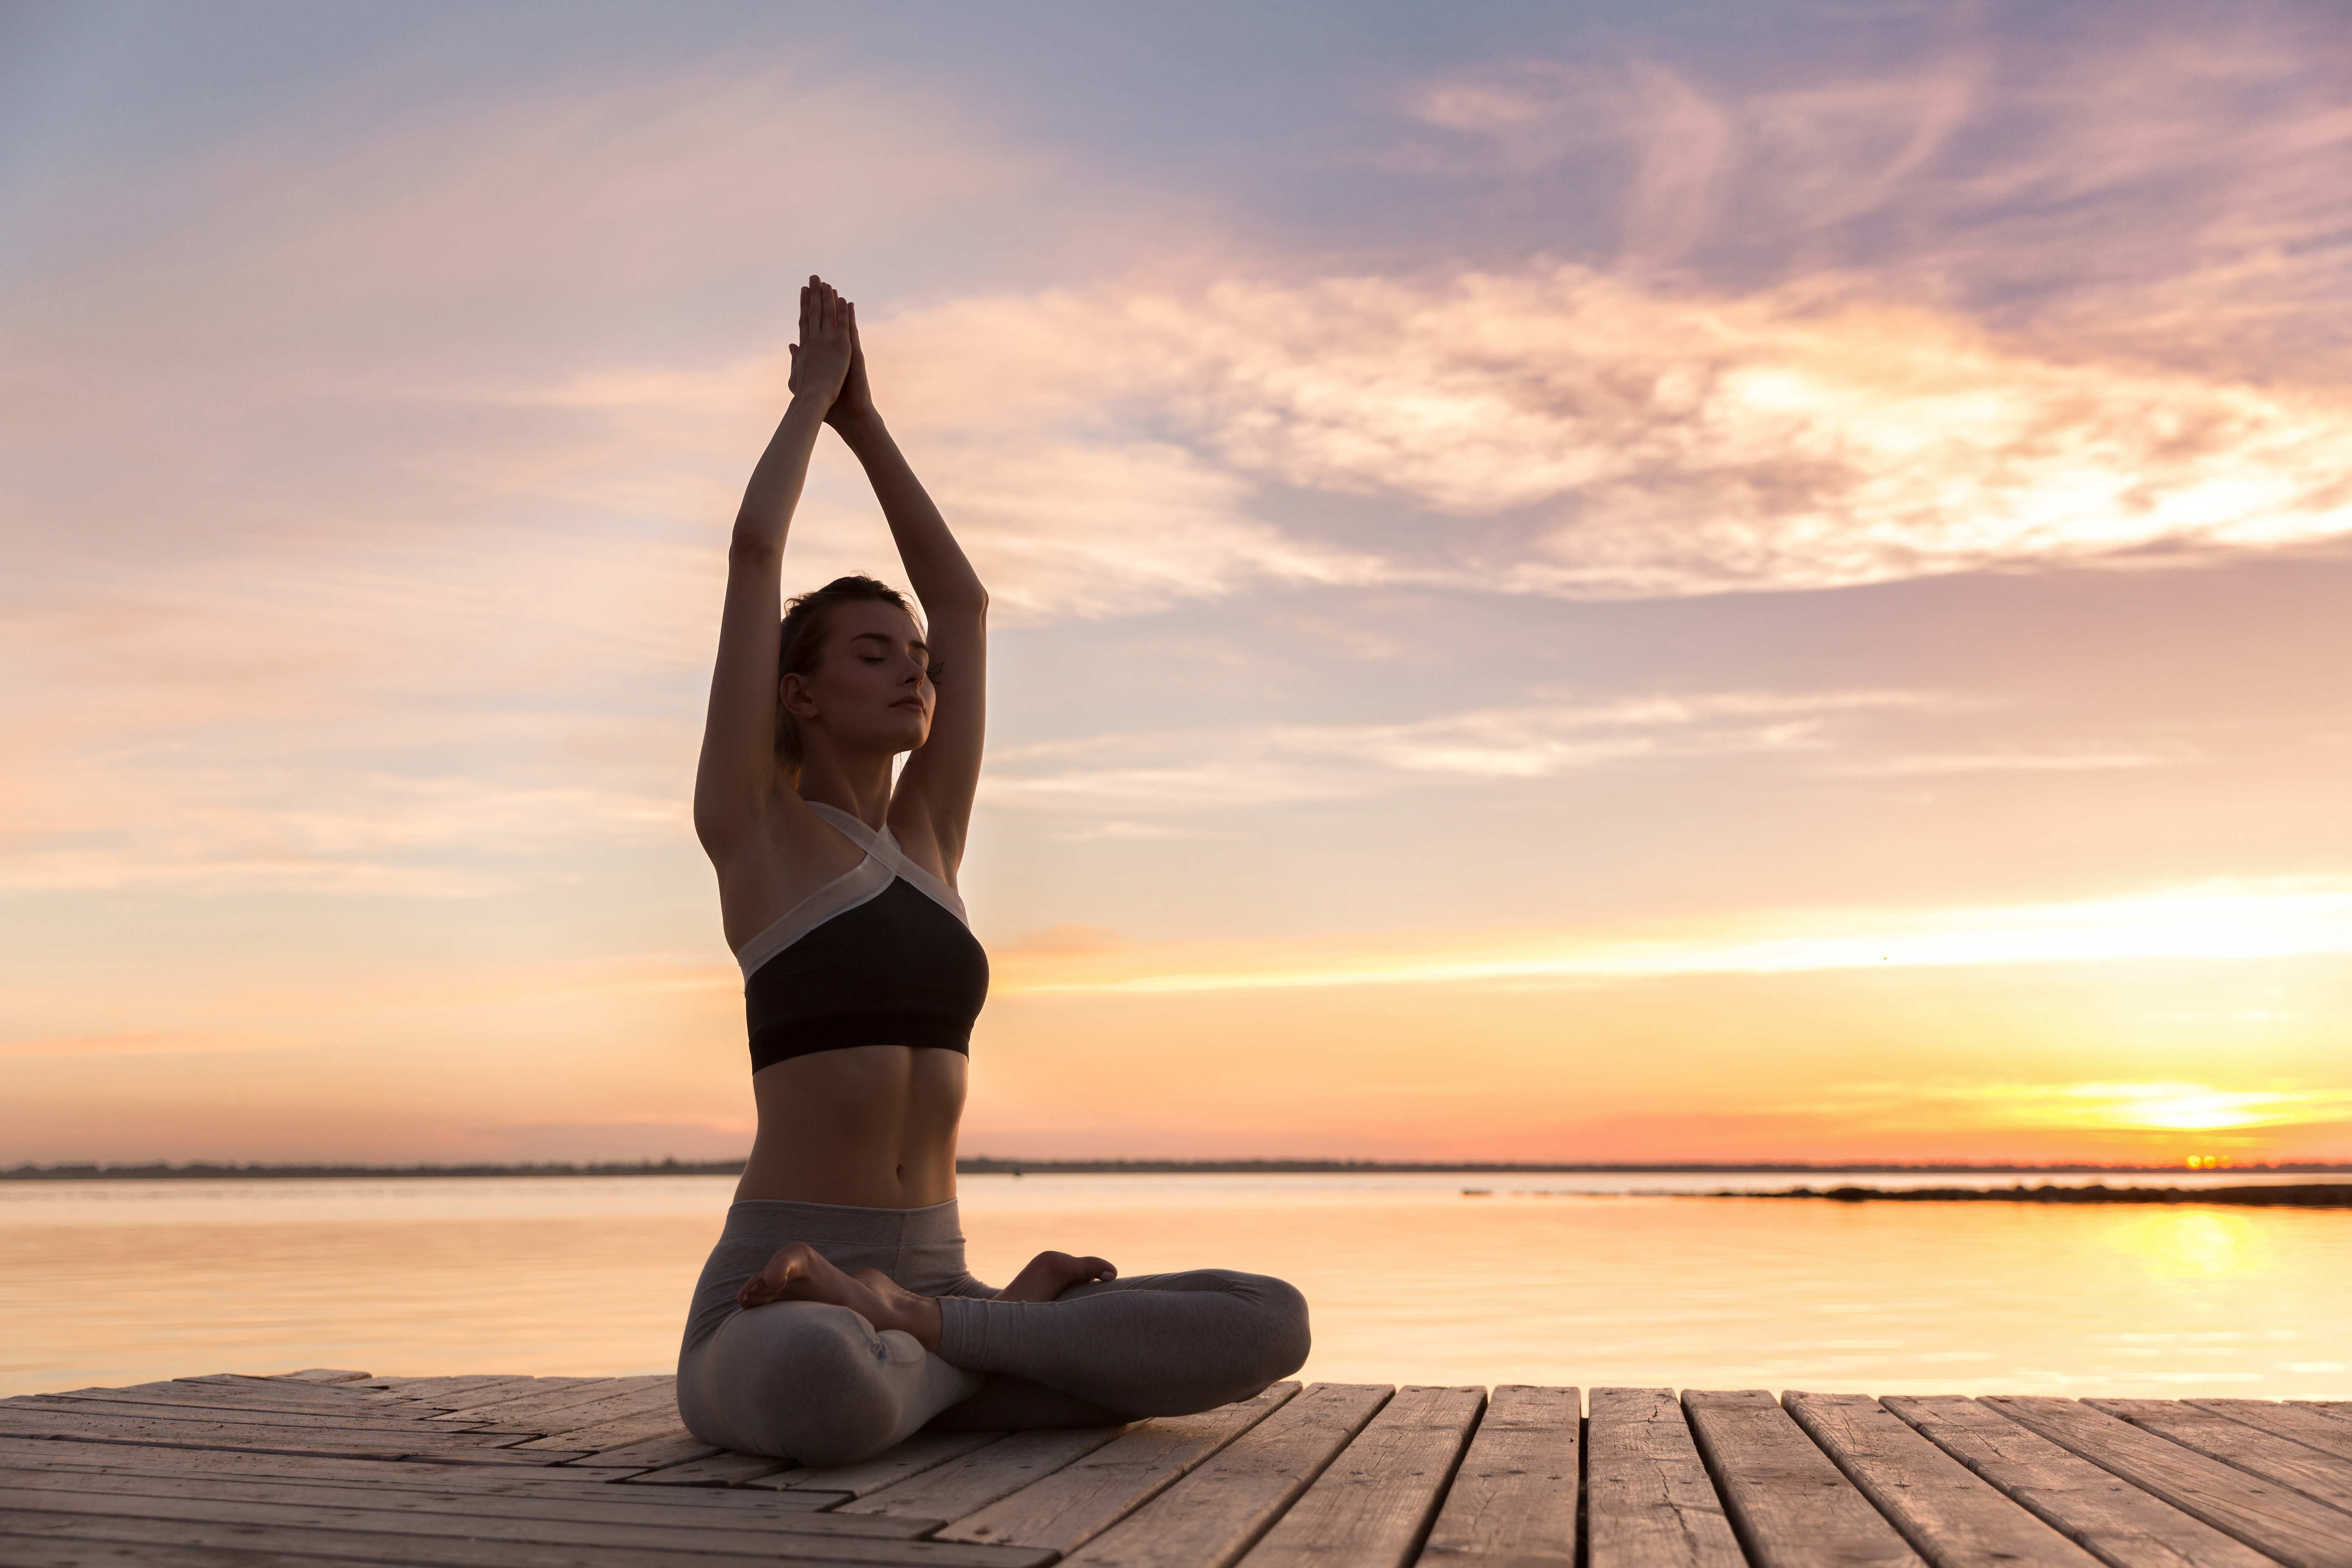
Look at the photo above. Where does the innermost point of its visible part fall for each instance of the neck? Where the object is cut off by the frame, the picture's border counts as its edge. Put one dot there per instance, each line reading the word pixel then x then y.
pixel 859 785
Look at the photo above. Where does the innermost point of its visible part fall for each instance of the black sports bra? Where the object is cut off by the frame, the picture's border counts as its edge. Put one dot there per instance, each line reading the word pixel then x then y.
pixel 881 956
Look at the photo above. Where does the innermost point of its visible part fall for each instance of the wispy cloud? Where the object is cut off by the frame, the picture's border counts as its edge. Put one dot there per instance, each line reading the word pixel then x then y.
pixel 2170 185
pixel 2162 1105
pixel 1589 434
pixel 2216 921
pixel 1186 772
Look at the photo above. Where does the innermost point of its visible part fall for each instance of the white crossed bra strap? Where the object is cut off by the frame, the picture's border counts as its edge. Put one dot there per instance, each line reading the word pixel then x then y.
pixel 885 862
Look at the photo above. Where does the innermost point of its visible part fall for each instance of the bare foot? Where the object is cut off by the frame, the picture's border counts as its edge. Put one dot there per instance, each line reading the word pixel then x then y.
pixel 1051 1273
pixel 800 1273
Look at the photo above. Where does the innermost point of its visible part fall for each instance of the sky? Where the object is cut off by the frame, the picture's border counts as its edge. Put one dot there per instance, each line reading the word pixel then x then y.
pixel 1613 583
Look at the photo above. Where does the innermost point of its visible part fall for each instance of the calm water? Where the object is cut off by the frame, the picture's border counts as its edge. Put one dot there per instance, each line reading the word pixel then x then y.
pixel 1549 1278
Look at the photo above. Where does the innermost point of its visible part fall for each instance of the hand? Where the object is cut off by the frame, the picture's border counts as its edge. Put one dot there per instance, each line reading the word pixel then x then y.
pixel 828 345
pixel 854 404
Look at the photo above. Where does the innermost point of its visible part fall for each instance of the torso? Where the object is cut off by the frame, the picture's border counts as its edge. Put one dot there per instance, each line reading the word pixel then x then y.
pixel 871 1125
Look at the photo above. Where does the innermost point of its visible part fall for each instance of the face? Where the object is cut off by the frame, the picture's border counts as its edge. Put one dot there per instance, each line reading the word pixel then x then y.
pixel 872 687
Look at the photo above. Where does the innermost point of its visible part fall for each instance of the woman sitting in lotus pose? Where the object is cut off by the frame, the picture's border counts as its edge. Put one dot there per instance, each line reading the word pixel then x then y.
pixel 835 1316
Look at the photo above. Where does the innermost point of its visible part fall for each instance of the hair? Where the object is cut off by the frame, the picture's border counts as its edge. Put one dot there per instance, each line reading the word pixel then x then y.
pixel 807 617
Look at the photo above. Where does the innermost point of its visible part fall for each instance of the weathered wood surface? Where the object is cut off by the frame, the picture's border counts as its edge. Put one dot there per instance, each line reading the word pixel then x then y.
pixel 1070 1508
pixel 2311 1471
pixel 347 1537
pixel 967 1484
pixel 739 1511
pixel 2312 1428
pixel 923 1451
pixel 2276 1521
pixel 1949 1515
pixel 1789 1502
pixel 1213 1515
pixel 1649 1502
pixel 2114 1520
pixel 1513 1500
pixel 332 1467
pixel 475 1518
pixel 1372 1504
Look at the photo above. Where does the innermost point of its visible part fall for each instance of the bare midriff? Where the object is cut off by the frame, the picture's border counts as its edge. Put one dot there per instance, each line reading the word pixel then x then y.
pixel 868 1126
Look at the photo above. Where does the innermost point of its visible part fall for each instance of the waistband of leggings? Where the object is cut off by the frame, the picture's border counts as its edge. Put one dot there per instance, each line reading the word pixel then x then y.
pixel 780 1220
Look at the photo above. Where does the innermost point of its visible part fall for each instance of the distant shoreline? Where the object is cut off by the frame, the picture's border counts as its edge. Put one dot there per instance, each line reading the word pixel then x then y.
pixel 985 1165
pixel 2297 1196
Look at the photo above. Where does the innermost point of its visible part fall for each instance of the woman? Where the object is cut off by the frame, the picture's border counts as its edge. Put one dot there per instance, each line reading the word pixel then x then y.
pixel 835 1316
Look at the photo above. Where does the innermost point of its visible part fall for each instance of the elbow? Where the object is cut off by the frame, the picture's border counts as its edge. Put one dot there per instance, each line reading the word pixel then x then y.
pixel 747 548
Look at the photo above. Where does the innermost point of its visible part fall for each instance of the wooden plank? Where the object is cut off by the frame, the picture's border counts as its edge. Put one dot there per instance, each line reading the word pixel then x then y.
pixel 406 1538
pixel 132 1459
pixel 478 1398
pixel 148 1458
pixel 420 1387
pixel 1648 1501
pixel 621 1432
pixel 544 1404
pixel 916 1455
pixel 1513 1500
pixel 2339 1409
pixel 2108 1517
pixel 657 1398
pixel 581 1506
pixel 2309 1471
pixel 218 1404
pixel 1074 1504
pixel 213 1414
pixel 1789 1506
pixel 969 1484
pixel 2274 1520
pixel 320 1374
pixel 2312 1428
pixel 1950 1516
pixel 59 1553
pixel 436 1391
pixel 212 1394
pixel 376 1443
pixel 1217 1513
pixel 719 1469
pixel 650 1453
pixel 1371 1505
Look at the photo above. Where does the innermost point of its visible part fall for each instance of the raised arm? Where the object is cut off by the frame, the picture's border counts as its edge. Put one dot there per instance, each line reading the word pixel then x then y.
pixel 934 795
pixel 734 785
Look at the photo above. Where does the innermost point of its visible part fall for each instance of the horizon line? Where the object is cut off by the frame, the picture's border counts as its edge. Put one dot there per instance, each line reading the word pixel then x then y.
pixel 983 1164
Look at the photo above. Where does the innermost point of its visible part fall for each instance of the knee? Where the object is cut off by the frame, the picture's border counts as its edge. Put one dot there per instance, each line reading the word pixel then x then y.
pixel 1272 1338
pixel 794 1381
pixel 1286 1339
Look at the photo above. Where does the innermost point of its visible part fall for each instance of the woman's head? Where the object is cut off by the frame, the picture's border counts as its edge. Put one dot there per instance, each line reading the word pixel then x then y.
pixel 852 663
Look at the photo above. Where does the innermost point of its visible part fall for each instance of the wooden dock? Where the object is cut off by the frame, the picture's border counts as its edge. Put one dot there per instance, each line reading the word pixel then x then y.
pixel 322 1467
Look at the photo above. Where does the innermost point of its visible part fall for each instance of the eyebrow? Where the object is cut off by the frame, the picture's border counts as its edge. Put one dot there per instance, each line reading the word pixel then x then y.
pixel 885 636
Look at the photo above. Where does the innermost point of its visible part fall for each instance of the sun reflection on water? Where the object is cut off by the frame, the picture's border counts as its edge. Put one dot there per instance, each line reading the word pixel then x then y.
pixel 2193 1243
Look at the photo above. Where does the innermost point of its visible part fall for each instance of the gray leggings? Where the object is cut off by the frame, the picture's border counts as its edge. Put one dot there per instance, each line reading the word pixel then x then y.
pixel 803 1381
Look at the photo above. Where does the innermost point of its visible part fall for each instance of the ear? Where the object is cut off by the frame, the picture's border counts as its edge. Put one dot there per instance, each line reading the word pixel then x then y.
pixel 793 692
